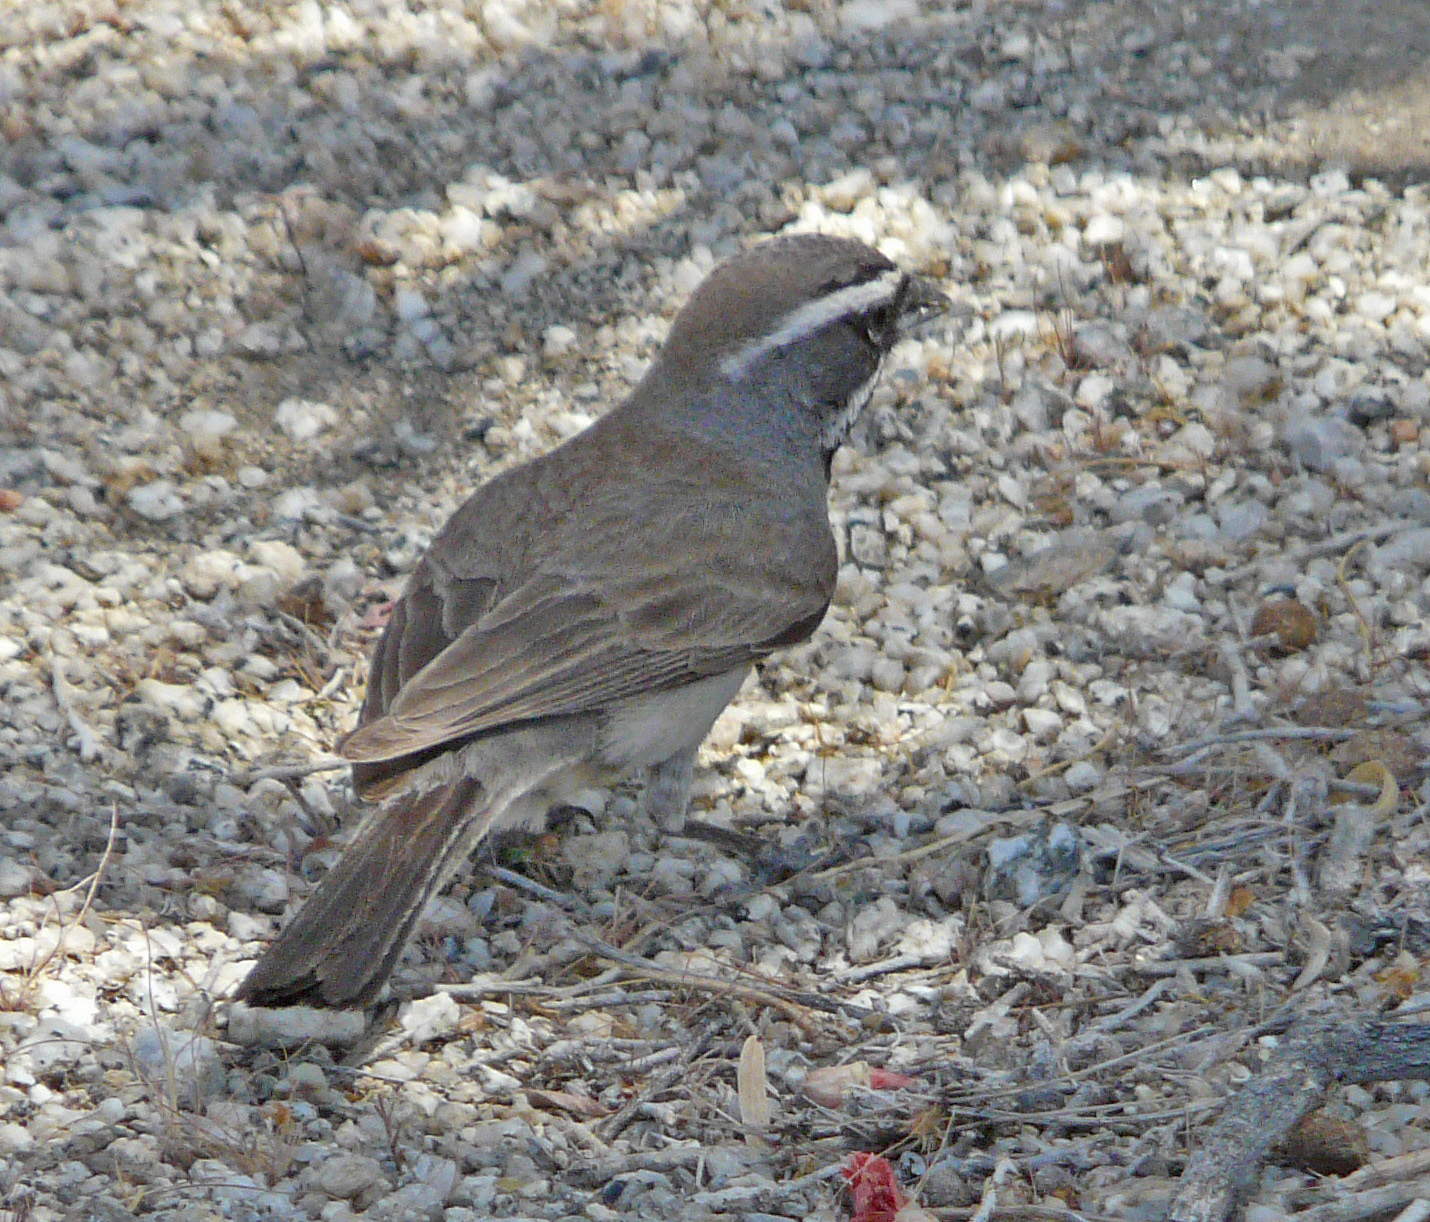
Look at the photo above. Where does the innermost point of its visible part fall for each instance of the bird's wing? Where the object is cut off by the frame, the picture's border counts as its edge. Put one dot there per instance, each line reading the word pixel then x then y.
pixel 562 644
pixel 629 560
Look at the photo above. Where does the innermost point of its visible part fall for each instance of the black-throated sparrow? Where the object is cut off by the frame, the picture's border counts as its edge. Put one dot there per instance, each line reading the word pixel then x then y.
pixel 592 611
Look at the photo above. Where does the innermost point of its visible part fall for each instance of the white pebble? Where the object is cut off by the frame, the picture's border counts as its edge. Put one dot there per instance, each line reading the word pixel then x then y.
pixel 157 501
pixel 557 340
pixel 302 419
pixel 1042 723
pixel 864 16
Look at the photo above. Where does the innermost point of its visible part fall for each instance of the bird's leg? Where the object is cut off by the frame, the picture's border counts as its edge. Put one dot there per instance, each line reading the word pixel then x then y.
pixel 667 790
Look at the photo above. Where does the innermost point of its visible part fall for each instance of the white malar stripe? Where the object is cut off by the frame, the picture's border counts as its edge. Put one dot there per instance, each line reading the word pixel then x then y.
pixel 810 317
pixel 836 431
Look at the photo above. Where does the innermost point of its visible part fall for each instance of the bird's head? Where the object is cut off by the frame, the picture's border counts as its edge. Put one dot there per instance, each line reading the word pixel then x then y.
pixel 807 316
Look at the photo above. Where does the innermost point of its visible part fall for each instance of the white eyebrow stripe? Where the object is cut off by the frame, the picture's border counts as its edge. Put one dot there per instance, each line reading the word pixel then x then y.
pixel 813 315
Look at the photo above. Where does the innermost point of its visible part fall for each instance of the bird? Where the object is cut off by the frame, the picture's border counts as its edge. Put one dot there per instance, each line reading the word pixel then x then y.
pixel 586 615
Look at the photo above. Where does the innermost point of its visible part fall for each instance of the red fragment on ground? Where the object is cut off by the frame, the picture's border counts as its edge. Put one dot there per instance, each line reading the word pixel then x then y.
pixel 887 1079
pixel 871 1183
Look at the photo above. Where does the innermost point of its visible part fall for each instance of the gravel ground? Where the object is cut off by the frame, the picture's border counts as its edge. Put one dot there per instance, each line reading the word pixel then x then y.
pixel 1110 753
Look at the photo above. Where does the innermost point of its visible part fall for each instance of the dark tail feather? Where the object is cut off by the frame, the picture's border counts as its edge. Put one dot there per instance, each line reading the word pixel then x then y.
pixel 341 947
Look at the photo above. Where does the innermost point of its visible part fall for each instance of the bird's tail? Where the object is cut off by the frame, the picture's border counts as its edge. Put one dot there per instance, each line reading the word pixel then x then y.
pixel 341 947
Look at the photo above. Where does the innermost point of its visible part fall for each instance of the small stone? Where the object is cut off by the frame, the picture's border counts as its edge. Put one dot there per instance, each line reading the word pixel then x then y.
pixel 353 498
pixel 1042 723
pixel 296 504
pixel 342 582
pixel 430 1018
pixel 1367 407
pixel 82 500
pixel 525 270
pixel 1011 324
pixel 1251 380
pixel 1408 551
pixel 1099 345
pixel 1150 503
pixel 806 46
pixel 846 191
pixel 156 501
pixel 597 858
pixel 15 1139
pixel 1103 230
pixel 1054 143
pixel 1034 866
pixel 873 925
pixel 1325 1144
pixel 302 419
pixel 411 442
pixel 1404 432
pixel 15 879
pixel 848 776
pixel 1375 306
pixel 438 1174
pixel 463 230
pixel 1181 593
pixel 1069 698
pixel 1176 327
pixel 184 1066
pixel 207 425
pixel 285 560
pixel 1291 622
pixel 1036 407
pixel 865 16
pixel 206 573
pixel 412 1202
pixel 266 889
pixel 261 340
pixel 345 1176
pixel 1242 519
pixel 887 675
pixel 64 468
pixel 179 700
pixel 558 340
pixel 1094 390
pixel 1319 442
pixel 1195 439
pixel 410 305
pixel 1017 45
pixel 989 96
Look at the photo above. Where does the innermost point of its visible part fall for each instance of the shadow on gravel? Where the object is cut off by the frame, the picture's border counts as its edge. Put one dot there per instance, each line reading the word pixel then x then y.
pixel 316 140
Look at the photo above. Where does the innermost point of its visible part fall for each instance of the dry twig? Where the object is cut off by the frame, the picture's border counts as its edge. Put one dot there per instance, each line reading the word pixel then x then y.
pixel 289 772
pixel 1322 1054
pixel 1321 547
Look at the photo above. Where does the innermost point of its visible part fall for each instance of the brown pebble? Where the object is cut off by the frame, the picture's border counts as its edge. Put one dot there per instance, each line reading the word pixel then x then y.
pixel 1292 623
pixel 1404 432
pixel 1051 143
pixel 1324 1145
pixel 1205 938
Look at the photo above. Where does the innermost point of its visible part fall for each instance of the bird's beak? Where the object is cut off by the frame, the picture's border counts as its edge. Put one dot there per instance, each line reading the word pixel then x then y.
pixel 921 303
